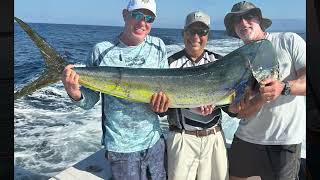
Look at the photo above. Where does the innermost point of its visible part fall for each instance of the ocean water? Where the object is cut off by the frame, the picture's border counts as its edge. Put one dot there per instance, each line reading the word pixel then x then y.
pixel 50 133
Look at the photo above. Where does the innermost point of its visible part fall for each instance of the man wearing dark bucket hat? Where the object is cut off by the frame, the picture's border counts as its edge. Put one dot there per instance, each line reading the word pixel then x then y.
pixel 268 140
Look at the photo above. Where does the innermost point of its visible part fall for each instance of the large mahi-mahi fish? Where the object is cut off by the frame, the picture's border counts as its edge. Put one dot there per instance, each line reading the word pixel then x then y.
pixel 217 83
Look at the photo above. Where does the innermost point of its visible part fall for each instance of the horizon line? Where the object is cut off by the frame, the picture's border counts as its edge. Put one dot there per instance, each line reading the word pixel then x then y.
pixel 157 26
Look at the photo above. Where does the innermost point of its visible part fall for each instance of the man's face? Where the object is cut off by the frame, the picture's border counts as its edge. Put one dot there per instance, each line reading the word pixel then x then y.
pixel 196 37
pixel 247 27
pixel 137 25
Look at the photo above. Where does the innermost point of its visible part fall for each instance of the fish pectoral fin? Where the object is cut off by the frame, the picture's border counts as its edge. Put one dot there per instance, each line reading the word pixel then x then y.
pixel 227 100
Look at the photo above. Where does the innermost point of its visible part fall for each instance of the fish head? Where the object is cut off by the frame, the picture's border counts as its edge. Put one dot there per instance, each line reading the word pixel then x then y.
pixel 265 63
pixel 261 63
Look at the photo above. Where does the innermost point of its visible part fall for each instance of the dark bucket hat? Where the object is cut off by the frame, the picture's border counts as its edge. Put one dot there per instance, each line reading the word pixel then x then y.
pixel 240 8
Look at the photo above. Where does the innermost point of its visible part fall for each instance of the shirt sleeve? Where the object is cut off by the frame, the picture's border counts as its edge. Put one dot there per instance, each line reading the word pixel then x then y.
pixel 164 59
pixel 298 51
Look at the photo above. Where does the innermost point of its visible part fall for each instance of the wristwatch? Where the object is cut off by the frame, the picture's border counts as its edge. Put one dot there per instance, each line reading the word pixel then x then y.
pixel 286 89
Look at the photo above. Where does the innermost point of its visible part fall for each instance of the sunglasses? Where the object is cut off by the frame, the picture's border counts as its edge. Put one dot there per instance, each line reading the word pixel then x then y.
pixel 200 32
pixel 139 16
pixel 248 17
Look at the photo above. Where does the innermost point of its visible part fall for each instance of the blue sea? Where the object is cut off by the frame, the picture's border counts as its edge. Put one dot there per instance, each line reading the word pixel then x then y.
pixel 50 133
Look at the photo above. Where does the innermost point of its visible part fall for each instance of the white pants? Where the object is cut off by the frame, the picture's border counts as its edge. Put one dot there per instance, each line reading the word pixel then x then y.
pixel 202 158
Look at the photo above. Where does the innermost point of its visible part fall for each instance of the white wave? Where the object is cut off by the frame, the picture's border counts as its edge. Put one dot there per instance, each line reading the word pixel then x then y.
pixel 173 48
pixel 51 133
pixel 220 46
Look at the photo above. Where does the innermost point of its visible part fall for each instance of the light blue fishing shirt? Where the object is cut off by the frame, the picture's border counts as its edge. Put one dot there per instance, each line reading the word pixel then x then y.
pixel 127 126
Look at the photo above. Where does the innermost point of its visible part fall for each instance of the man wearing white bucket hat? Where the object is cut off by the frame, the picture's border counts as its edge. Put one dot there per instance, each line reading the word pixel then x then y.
pixel 132 135
pixel 268 140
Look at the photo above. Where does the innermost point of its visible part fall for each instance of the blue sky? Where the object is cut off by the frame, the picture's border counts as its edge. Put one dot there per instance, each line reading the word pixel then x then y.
pixel 286 14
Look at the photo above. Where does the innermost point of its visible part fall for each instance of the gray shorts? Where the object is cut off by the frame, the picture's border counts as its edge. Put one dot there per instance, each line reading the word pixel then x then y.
pixel 274 162
pixel 141 165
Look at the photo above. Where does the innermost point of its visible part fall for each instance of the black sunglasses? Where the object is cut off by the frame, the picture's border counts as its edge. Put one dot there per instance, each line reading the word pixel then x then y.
pixel 248 17
pixel 200 32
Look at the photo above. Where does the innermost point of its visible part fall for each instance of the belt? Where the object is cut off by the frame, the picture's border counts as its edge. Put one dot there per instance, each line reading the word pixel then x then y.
pixel 198 133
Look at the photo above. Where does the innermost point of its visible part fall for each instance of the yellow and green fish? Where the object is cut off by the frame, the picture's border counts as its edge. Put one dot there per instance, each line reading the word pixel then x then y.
pixel 217 83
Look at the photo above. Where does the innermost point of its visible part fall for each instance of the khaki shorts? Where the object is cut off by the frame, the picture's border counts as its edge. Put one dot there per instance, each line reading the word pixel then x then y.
pixel 191 157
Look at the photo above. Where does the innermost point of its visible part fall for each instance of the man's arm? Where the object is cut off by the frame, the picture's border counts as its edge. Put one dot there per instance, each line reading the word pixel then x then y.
pixel 159 103
pixel 270 90
pixel 203 110
pixel 298 86
pixel 70 80
pixel 82 97
pixel 247 108
pixel 249 105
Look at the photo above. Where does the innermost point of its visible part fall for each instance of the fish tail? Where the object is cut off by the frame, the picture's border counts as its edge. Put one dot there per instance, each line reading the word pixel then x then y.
pixel 54 63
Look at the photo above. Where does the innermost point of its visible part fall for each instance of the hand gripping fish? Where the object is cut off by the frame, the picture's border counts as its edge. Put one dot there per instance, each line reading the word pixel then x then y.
pixel 218 82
